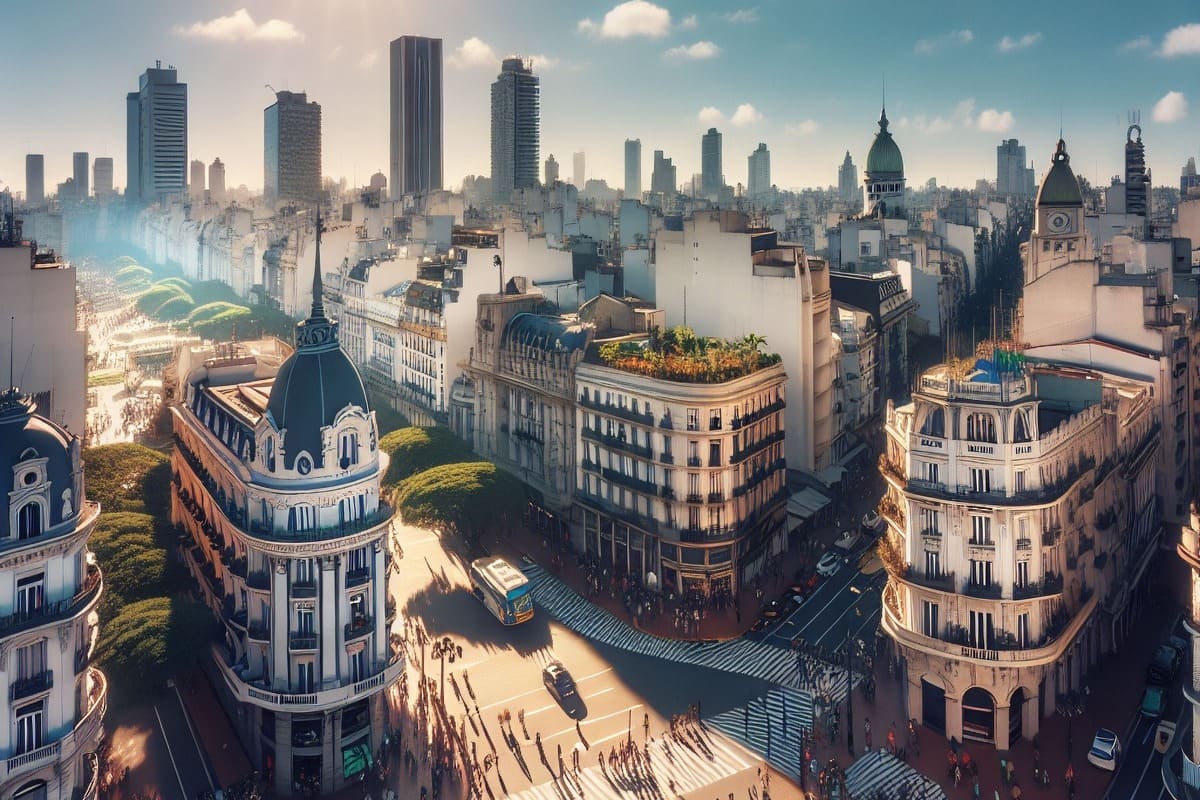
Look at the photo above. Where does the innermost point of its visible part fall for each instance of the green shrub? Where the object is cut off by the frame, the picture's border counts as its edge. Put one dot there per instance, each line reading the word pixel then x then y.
pixel 414 449
pixel 469 498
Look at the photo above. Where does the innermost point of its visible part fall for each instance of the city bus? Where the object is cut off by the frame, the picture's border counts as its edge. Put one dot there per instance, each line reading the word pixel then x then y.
pixel 503 589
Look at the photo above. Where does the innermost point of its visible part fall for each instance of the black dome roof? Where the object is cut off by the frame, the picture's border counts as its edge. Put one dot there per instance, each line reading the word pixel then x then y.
pixel 25 435
pixel 316 382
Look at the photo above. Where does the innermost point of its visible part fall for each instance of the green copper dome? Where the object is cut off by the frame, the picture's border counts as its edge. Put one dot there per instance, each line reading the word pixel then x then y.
pixel 1059 187
pixel 884 161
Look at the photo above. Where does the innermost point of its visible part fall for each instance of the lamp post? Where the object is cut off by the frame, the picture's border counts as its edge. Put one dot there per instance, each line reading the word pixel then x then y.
pixel 1070 705
pixel 444 649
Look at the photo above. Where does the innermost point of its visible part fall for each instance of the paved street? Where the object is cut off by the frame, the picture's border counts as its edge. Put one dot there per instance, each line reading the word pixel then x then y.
pixel 845 603
pixel 157 741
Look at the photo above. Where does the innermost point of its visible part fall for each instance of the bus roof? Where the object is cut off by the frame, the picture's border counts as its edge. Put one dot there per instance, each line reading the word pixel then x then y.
pixel 501 574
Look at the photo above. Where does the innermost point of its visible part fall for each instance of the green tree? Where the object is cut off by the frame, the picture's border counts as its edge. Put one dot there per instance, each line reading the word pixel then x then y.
pixel 470 499
pixel 132 549
pixel 415 449
pixel 151 640
pixel 128 477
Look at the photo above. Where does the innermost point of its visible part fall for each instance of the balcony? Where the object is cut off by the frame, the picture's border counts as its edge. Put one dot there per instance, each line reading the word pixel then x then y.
pixel 708 535
pixel 759 476
pixel 1050 537
pixel 631 481
pixel 639 417
pixel 28 687
pixel 966 493
pixel 358 628
pixel 304 588
pixel 258 580
pixel 667 493
pixel 617 443
pixel 666 424
pixel 989 591
pixel 666 458
pixel 714 424
pixel 604 506
pixel 942 582
pixel 754 416
pixel 245 691
pixel 1024 544
pixel 259 632
pixel 59 610
pixel 694 461
pixel 377 519
pixel 357 577
pixel 589 465
pixel 303 640
pixel 27 762
pixel 1048 587
pixel 716 497
pixel 756 447
pixel 695 498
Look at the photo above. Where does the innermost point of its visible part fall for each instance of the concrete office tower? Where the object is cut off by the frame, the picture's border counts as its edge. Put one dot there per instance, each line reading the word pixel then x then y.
pixel 580 173
pixel 633 168
pixel 416 115
pixel 848 191
pixel 551 171
pixel 81 164
pixel 156 136
pixel 196 180
pixel 35 179
pixel 216 180
pixel 1137 178
pixel 292 149
pixel 758 184
pixel 516 128
pixel 102 176
pixel 662 179
pixel 711 176
pixel 1012 176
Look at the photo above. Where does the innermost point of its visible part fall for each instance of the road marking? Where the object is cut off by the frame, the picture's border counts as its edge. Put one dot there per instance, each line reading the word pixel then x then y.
pixel 182 792
pixel 837 594
pixel 529 714
pixel 542 689
pixel 203 761
pixel 590 720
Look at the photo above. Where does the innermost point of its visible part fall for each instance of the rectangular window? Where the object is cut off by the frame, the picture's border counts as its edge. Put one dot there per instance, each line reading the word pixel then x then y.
pixel 305 621
pixel 305 677
pixel 714 419
pixel 930 471
pixel 693 454
pixel 981 530
pixel 1022 573
pixel 981 630
pixel 29 727
pixel 31 660
pixel 981 573
pixel 933 564
pixel 693 518
pixel 929 619
pixel 358 665
pixel 30 593
pixel 929 520
pixel 693 419
pixel 305 573
pixel 981 480
pixel 1019 480
pixel 714 453
pixel 714 483
pixel 1023 637
pixel 693 483
pixel 356 559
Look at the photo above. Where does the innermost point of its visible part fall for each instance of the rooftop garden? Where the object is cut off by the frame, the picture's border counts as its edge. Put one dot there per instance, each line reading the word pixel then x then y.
pixel 678 354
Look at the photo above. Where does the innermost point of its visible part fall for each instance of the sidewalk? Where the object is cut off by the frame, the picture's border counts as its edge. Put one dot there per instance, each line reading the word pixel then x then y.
pixel 226 757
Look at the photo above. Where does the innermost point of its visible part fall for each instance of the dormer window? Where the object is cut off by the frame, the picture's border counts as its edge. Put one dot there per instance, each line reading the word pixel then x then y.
pixel 304 465
pixel 270 455
pixel 29 521
pixel 348 449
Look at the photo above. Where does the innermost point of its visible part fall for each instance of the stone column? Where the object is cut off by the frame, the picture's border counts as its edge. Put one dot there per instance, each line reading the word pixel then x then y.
pixel 379 588
pixel 1031 720
pixel 954 717
pixel 331 639
pixel 916 699
pixel 283 754
pixel 281 665
pixel 331 757
pixel 1000 726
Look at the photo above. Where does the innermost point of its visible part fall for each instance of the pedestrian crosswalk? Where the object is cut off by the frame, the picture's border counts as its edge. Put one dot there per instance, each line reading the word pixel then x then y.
pixel 676 770
pixel 766 662
pixel 771 726
pixel 882 775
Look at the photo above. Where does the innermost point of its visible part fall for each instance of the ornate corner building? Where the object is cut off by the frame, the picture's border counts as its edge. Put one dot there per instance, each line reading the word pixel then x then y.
pixel 54 700
pixel 277 485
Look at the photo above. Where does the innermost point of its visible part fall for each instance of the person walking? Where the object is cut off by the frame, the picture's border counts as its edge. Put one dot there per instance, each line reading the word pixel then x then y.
pixel 867 731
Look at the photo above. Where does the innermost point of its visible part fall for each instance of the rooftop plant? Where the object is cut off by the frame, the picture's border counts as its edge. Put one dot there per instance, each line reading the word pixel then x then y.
pixel 678 354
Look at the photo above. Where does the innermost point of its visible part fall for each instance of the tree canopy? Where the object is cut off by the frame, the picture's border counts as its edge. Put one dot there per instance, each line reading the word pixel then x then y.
pixel 468 498
pixel 415 449
pixel 128 477
pixel 132 550
pixel 151 640
pixel 678 354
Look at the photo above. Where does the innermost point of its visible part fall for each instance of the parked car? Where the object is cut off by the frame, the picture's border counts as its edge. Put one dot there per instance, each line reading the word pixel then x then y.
pixel 872 521
pixel 1106 750
pixel 1163 736
pixel 558 681
pixel 829 564
pixel 1152 702
pixel 848 541
pixel 1163 667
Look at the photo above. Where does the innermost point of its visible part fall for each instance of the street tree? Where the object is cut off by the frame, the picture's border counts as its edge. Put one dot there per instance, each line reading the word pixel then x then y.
pixel 470 499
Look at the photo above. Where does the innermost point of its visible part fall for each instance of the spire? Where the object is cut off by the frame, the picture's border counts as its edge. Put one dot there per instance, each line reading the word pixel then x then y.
pixel 883 120
pixel 318 290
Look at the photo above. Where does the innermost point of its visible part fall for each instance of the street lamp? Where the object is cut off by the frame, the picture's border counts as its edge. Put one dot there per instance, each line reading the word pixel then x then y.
pixel 1070 705
pixel 444 649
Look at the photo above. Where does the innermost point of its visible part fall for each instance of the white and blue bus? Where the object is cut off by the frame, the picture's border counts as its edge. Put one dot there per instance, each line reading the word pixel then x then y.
pixel 503 588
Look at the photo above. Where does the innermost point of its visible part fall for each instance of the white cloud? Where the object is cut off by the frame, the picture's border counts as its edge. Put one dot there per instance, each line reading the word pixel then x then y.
pixel 741 15
pixel 689 23
pixel 711 117
pixel 925 124
pixel 240 26
pixel 745 114
pixel 1009 44
pixel 629 19
pixel 993 121
pixel 695 52
pixel 804 128
pixel 928 47
pixel 369 59
pixel 1133 45
pixel 541 61
pixel 474 52
pixel 1182 41
pixel 1171 108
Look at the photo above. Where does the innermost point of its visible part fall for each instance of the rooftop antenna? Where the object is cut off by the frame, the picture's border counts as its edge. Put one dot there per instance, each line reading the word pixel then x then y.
pixel 12 328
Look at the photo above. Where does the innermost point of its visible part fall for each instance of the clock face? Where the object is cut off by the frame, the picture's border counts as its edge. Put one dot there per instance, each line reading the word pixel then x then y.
pixel 1058 221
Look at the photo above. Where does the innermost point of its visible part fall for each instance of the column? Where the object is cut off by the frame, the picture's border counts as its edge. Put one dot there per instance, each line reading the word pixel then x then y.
pixel 379 588
pixel 954 717
pixel 283 754
pixel 331 758
pixel 1031 720
pixel 281 665
pixel 1000 726
pixel 916 699
pixel 331 640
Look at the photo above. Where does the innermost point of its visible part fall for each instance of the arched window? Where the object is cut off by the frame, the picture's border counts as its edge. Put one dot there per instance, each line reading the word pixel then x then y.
pixel 29 521
pixel 348 449
pixel 34 790
pixel 935 423
pixel 981 427
pixel 302 518
pixel 1021 429
pixel 270 455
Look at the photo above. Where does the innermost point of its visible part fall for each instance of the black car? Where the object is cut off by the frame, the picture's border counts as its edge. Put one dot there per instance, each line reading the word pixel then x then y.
pixel 1163 667
pixel 558 681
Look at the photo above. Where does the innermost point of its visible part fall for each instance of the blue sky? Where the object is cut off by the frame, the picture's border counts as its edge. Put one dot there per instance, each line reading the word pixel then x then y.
pixel 802 76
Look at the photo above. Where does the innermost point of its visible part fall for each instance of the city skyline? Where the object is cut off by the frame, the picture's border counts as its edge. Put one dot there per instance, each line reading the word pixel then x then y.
pixel 949 109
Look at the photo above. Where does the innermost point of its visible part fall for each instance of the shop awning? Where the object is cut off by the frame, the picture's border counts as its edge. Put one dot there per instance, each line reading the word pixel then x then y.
pixel 355 759
pixel 831 475
pixel 806 502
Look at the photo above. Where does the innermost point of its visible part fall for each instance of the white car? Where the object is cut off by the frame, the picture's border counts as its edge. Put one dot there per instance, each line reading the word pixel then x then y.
pixel 829 565
pixel 872 520
pixel 1106 750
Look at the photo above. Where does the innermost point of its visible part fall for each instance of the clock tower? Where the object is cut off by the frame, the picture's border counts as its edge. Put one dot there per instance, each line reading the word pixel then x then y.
pixel 1058 234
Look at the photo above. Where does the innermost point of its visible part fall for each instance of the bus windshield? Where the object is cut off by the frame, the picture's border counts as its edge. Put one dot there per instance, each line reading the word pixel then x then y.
pixel 503 589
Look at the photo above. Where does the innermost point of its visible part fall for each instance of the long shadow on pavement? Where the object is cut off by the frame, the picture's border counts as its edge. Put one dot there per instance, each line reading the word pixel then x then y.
pixel 457 613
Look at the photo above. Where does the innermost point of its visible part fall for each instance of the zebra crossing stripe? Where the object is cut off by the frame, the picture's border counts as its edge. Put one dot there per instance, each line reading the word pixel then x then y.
pixel 771 727
pixel 765 662
pixel 883 772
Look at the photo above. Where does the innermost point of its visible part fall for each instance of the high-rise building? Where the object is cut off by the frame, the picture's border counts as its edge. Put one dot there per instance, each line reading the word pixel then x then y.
pixel 299 580
pixel 663 178
pixel 516 128
pixel 156 136
pixel 196 180
pixel 848 189
pixel 82 165
pixel 580 172
pixel 1137 179
pixel 1188 178
pixel 633 168
pixel 292 149
pixel 1013 177
pixel 102 176
pixel 551 171
pixel 711 176
pixel 35 179
pixel 758 184
pixel 416 115
pixel 885 174
pixel 216 180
